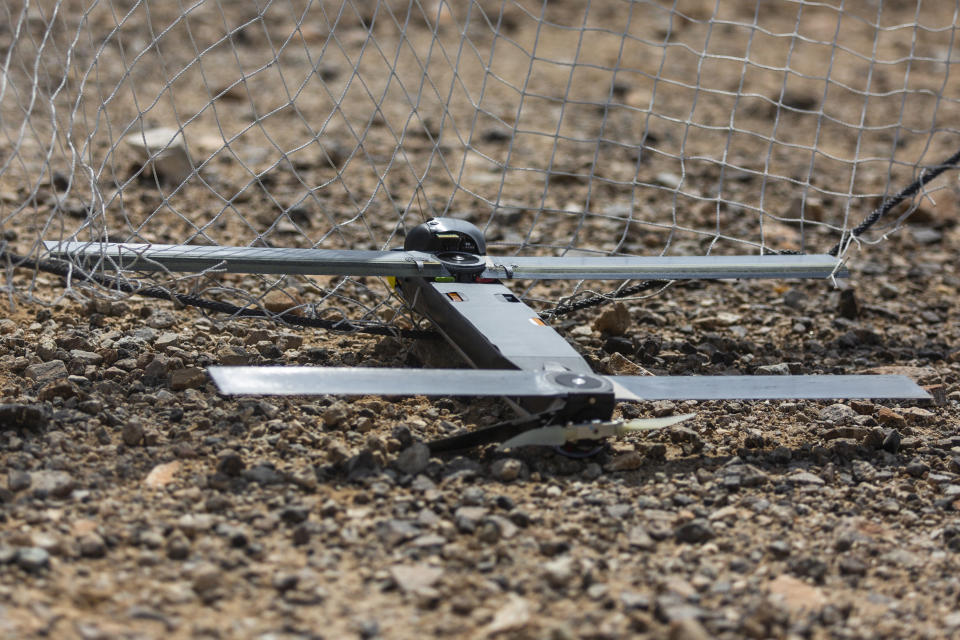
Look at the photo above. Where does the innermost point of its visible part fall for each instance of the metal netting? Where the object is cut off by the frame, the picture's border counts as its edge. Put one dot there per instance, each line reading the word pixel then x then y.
pixel 648 127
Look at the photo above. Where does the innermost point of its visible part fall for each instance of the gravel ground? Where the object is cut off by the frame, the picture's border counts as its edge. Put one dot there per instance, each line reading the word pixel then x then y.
pixel 136 502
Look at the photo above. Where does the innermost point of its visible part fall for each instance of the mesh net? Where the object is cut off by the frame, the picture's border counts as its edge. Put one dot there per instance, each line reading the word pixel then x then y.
pixel 681 128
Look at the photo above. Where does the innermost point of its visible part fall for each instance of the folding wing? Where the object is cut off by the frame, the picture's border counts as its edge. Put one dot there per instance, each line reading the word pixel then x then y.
pixel 196 258
pixel 312 381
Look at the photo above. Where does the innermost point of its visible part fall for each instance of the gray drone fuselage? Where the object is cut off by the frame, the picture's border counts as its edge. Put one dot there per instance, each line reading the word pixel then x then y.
pixel 491 327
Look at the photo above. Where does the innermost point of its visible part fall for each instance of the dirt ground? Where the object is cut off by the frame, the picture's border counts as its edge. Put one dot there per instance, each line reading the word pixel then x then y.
pixel 136 502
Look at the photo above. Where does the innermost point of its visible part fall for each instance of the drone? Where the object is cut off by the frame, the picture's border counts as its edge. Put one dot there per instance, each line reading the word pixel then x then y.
pixel 445 274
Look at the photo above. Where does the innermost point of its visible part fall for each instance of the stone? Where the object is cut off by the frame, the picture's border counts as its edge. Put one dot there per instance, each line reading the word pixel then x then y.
pixel 92 545
pixel 413 459
pixel 671 607
pixel 178 547
pixel 46 349
pixel 337 415
pixel 718 321
pixel 132 433
pixel 837 414
pixel 917 415
pixel 797 595
pixel 852 566
pixel 206 577
pixel 161 319
pixel 288 341
pixel 640 539
pixel 85 357
pixel 187 378
pixel 233 355
pixel 890 418
pixel 667 179
pixel 506 528
pixel 614 321
pixel 695 531
pixel 156 369
pixel 779 549
pixel 193 524
pixel 847 306
pixel 921 375
pixel 488 532
pixel 282 301
pixel 891 441
pixel 230 463
pixel 512 616
pixel 18 480
pixel 23 416
pixel 163 152
pixel 162 475
pixel 468 518
pixel 626 462
pixel 917 468
pixel 46 371
pixel 662 408
pixel 687 629
pixel 58 484
pixel 394 531
pixel 294 514
pixel 506 469
pixel 560 571
pixel 938 392
pixel 61 388
pixel 952 620
pixel 863 407
pixel 166 340
pixel 633 600
pixel 263 474
pixel 32 559
pixel 619 345
pixel 779 369
pixel 809 567
pixel 411 578
pixel 795 299
pixel 805 478
pixel 926 235
pixel 620 365
pixel 853 433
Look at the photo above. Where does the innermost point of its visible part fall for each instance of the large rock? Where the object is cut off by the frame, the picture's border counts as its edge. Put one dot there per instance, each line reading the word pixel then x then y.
pixel 23 416
pixel 187 378
pixel 46 371
pixel 614 321
pixel 413 459
pixel 164 153
pixel 837 414
pixel 413 578
pixel 58 484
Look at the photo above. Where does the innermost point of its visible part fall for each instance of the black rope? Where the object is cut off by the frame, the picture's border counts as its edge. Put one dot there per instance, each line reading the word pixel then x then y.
pixel 66 269
pixel 912 189
pixel 595 301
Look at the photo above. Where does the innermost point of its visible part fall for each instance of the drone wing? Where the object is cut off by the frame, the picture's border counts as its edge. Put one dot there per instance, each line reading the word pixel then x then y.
pixel 805 387
pixel 665 267
pixel 283 260
pixel 355 381
pixel 312 381
pixel 196 258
